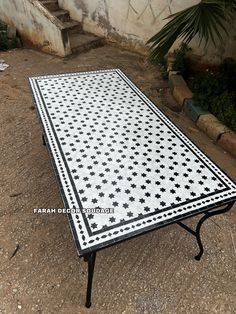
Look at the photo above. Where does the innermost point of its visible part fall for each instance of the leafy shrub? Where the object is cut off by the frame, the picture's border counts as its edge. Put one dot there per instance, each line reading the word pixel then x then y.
pixel 216 92
pixel 3 36
pixel 3 26
pixel 223 107
pixel 181 61
pixel 206 87
pixel 180 64
pixel 228 73
pixel 5 43
pixel 164 73
pixel 206 20
pixel 3 40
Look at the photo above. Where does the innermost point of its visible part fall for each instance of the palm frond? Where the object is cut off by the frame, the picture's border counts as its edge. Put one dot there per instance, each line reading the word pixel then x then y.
pixel 206 19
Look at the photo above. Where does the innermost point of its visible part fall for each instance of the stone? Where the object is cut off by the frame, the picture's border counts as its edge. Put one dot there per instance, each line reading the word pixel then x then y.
pixel 170 58
pixel 3 67
pixel 193 111
pixel 181 93
pixel 209 124
pixel 176 80
pixel 169 67
pixel 228 142
pixel 172 73
pixel 193 130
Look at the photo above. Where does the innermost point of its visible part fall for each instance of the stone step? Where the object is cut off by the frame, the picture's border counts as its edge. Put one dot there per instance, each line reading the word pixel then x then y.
pixel 51 5
pixel 84 42
pixel 62 15
pixel 73 27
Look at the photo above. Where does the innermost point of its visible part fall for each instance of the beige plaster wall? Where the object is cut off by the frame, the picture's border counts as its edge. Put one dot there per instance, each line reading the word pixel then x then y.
pixel 133 22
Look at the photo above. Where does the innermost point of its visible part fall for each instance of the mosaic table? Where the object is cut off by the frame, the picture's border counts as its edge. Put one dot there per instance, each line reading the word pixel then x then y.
pixel 112 148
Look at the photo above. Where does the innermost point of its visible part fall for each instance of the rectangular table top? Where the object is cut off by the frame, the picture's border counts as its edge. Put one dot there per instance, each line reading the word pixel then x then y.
pixel 111 147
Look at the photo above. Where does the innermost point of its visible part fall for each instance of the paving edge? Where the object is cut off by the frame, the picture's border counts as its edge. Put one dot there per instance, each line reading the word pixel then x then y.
pixel 204 120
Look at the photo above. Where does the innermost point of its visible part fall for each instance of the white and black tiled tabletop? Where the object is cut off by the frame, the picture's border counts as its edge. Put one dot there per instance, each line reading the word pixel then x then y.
pixel 112 148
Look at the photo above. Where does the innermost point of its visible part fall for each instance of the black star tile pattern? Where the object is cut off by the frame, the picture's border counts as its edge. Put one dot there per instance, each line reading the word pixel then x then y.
pixel 112 148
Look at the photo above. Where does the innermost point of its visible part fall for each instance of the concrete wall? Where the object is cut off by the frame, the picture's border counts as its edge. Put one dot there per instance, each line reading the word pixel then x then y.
pixel 32 22
pixel 133 22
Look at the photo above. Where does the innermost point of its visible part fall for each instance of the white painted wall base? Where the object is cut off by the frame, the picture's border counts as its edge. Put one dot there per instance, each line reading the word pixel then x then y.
pixel 33 24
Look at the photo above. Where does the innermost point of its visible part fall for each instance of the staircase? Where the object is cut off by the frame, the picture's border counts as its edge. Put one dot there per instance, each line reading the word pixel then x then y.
pixel 72 33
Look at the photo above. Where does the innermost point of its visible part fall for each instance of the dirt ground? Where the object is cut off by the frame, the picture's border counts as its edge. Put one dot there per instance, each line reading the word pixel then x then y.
pixel 40 271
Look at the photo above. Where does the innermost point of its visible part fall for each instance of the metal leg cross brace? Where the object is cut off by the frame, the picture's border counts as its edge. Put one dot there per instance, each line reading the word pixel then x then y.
pixel 197 234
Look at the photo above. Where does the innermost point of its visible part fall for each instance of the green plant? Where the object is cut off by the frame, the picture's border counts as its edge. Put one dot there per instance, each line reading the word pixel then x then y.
pixel 3 40
pixel 207 20
pixel 164 73
pixel 5 43
pixel 216 92
pixel 181 61
pixel 3 26
pixel 205 87
pixel 228 73
pixel 163 62
pixel 3 36
pixel 223 107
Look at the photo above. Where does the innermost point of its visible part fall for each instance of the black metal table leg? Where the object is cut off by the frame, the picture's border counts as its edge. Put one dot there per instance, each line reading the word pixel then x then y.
pixel 197 233
pixel 201 221
pixel 43 139
pixel 90 259
pixel 198 237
